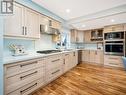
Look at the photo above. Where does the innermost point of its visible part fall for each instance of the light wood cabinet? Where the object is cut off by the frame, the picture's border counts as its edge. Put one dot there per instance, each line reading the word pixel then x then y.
pixel 87 36
pixel 86 55
pixel 80 36
pixel 73 36
pixel 31 23
pixel 20 75
pixel 124 27
pixel 99 57
pixel 43 20
pixel 22 78
pixel 77 36
pixel 14 23
pixel 54 67
pixel 70 60
pixel 54 24
pixel 67 61
pixel 115 61
pixel 23 23
pixel 114 28
pixel 92 56
pixel 74 58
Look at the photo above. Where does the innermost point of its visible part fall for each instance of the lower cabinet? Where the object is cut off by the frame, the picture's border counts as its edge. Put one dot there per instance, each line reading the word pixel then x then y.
pixel 70 60
pixel 85 55
pixel 23 78
pixel 92 56
pixel 54 67
pixel 115 61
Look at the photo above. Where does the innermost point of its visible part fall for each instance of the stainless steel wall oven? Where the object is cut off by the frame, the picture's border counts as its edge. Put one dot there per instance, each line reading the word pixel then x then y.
pixel 114 48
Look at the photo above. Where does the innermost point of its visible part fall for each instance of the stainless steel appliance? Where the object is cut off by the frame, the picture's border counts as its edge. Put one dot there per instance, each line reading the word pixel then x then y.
pixel 49 51
pixel 114 48
pixel 114 35
pixel 45 29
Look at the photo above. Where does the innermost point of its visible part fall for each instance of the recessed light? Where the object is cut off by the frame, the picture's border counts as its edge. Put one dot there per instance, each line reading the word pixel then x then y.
pixel 112 20
pixel 83 25
pixel 68 10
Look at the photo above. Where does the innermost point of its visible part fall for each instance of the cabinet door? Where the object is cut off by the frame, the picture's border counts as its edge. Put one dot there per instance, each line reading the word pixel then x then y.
pixel 14 23
pixel 92 56
pixel 67 62
pixel 86 55
pixel 32 24
pixel 80 36
pixel 87 36
pixel 73 36
pixel 43 20
pixel 99 57
pixel 74 59
pixel 114 28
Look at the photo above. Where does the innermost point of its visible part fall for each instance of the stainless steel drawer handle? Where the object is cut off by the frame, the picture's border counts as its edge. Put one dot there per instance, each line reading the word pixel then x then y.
pixel 22 77
pixel 56 71
pixel 29 88
pixel 22 65
pixel 113 58
pixel 23 30
pixel 55 60
pixel 113 63
pixel 66 54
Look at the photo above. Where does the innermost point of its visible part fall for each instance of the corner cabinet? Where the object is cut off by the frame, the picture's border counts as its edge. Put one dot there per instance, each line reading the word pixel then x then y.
pixel 24 22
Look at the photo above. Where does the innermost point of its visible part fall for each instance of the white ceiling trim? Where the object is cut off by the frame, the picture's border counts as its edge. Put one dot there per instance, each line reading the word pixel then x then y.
pixel 105 13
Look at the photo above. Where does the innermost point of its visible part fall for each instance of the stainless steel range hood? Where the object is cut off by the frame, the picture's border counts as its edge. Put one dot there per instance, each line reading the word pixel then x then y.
pixel 45 29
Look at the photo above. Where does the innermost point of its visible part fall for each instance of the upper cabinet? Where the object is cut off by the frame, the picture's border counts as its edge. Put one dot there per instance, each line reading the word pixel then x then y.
pixel 80 36
pixel 73 36
pixel 23 23
pixel 97 35
pixel 87 36
pixel 77 36
pixel 54 24
pixel 32 23
pixel 14 24
pixel 114 28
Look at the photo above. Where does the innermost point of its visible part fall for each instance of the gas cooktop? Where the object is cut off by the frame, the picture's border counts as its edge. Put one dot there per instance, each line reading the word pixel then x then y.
pixel 49 51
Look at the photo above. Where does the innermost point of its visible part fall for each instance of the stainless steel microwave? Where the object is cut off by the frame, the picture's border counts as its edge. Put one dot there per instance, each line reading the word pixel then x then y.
pixel 113 35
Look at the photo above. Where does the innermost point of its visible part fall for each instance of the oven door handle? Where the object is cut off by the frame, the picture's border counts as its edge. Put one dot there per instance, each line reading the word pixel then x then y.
pixel 114 43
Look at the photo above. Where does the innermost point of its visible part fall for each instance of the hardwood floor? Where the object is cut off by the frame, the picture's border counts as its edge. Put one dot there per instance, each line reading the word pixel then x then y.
pixel 86 79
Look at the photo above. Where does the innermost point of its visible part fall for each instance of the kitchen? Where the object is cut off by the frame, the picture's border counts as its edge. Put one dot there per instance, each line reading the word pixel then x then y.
pixel 50 49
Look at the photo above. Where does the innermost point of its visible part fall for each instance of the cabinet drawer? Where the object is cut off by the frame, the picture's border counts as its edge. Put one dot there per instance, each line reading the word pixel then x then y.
pixel 17 81
pixel 27 89
pixel 54 73
pixel 113 60
pixel 54 63
pixel 13 69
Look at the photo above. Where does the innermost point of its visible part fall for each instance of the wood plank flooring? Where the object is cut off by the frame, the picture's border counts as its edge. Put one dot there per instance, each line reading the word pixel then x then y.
pixel 86 79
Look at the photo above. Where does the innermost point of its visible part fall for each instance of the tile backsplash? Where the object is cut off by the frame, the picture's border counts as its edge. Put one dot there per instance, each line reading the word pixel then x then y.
pixel 44 43
pixel 28 44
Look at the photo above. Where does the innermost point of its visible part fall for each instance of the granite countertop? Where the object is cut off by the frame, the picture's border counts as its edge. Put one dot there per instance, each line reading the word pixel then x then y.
pixel 13 59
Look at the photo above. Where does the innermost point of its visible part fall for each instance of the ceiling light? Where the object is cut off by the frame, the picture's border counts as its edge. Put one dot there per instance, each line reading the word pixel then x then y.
pixel 83 25
pixel 112 20
pixel 68 10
